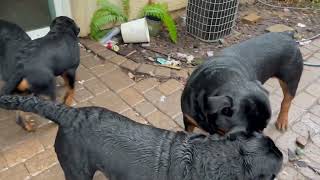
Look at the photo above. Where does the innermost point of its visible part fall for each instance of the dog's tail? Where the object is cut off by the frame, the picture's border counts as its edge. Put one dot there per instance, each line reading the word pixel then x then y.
pixel 58 113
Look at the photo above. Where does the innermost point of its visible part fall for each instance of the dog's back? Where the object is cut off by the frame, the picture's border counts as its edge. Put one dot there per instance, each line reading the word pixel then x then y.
pixel 265 56
pixel 93 138
pixel 12 37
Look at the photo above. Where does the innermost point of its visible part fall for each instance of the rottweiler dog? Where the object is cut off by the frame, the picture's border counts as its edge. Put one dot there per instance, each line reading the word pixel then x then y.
pixel 32 66
pixel 226 91
pixel 94 138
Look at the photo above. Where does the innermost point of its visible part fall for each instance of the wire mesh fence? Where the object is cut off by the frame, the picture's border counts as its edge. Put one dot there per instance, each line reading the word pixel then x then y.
pixel 211 20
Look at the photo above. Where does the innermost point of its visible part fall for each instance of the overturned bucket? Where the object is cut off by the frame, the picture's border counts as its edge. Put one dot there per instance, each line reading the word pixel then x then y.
pixel 135 31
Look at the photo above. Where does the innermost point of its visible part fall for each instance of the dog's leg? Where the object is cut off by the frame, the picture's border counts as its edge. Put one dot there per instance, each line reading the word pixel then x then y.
pixel 282 121
pixel 189 123
pixel 69 80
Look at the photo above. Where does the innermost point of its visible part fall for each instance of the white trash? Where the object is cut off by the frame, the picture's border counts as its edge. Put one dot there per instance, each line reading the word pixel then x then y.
pixel 135 31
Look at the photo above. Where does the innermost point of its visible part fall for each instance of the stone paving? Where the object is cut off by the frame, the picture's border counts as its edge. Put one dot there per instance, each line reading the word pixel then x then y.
pixel 103 81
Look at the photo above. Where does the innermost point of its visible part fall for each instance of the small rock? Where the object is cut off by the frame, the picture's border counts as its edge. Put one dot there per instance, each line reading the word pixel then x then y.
pixel 251 18
pixel 297 36
pixel 279 28
pixel 197 62
pixel 301 142
pixel 286 10
pixel 301 164
pixel 210 53
pixel 131 76
pixel 291 155
pixel 221 41
pixel 299 151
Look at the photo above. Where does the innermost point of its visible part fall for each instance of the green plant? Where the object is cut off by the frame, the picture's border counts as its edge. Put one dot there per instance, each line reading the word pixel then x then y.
pixel 160 11
pixel 105 14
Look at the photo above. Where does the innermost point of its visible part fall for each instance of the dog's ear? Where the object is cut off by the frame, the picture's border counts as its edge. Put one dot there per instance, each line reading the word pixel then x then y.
pixel 258 112
pixel 221 104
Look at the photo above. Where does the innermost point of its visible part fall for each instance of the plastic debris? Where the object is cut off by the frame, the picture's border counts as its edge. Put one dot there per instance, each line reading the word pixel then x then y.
pixel 151 59
pixel 286 10
pixel 210 53
pixel 163 61
pixel 304 42
pixel 181 55
pixel 145 45
pixel 162 98
pixel 301 25
pixel 112 45
pixel 131 76
pixel 190 59
pixel 81 82
pixel 115 31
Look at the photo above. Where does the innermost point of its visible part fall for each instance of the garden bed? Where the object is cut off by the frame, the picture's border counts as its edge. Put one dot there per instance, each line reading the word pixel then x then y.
pixel 161 46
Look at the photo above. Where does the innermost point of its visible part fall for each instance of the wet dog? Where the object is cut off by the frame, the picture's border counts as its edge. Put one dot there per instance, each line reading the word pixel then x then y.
pixel 226 91
pixel 32 66
pixel 93 138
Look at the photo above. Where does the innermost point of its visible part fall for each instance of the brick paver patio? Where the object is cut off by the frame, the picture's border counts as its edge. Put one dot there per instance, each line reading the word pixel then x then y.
pixel 104 81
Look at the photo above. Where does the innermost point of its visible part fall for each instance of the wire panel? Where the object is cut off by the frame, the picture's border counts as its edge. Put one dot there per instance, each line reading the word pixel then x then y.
pixel 211 20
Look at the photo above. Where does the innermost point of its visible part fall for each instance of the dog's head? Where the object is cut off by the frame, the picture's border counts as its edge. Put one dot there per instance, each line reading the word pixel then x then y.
pixel 239 155
pixel 63 23
pixel 229 108
pixel 261 159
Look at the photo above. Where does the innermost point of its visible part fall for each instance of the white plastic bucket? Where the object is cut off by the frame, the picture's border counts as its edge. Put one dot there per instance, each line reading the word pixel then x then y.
pixel 135 31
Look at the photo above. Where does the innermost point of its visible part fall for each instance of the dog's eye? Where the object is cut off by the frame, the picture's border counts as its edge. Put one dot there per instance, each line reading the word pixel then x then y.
pixel 227 111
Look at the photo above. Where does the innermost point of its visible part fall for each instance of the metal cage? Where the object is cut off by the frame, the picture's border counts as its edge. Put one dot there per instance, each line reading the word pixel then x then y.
pixel 211 20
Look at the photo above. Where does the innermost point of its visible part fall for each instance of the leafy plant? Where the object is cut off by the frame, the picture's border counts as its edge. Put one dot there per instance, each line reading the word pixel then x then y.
pixel 107 13
pixel 160 11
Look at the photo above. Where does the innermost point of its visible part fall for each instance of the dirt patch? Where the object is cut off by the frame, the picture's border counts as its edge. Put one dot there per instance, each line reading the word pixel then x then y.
pixel 161 46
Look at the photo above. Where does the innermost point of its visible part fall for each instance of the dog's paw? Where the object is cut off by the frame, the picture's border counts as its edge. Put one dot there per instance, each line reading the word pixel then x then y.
pixel 282 124
pixel 26 123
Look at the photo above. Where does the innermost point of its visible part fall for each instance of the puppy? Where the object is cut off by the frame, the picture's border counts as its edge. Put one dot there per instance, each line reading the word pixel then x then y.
pixel 226 91
pixel 93 138
pixel 34 66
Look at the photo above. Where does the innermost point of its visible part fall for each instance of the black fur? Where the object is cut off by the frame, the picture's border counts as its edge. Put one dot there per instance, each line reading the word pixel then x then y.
pixel 40 60
pixel 93 138
pixel 226 91
pixel 12 37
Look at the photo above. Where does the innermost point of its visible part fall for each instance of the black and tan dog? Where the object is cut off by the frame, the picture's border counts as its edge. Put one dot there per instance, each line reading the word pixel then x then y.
pixel 32 66
pixel 227 91
pixel 93 138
